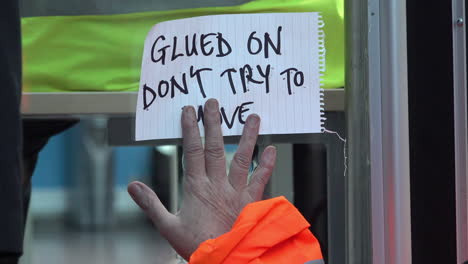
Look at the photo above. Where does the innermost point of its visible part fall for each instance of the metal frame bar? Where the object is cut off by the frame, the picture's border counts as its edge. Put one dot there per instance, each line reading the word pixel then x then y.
pixel 113 103
pixel 460 127
pixel 335 188
pixel 395 131
pixel 378 184
pixel 357 209
pixel 375 115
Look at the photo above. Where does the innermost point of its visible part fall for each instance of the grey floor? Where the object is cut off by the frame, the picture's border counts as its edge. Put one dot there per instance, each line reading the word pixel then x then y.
pixel 54 242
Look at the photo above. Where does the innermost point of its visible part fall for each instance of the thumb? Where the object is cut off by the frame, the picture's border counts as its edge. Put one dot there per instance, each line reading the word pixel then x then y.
pixel 147 200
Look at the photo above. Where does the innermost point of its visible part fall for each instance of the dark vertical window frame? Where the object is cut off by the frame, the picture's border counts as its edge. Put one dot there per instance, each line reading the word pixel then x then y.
pixel 431 123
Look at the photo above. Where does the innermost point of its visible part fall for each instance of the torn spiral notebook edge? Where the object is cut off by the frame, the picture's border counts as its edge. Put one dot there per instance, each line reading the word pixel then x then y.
pixel 321 68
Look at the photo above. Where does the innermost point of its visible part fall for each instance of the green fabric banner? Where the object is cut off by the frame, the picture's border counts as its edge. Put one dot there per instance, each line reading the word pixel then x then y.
pixel 103 52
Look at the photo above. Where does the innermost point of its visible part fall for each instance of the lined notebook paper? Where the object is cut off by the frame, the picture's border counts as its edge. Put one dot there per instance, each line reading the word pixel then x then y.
pixel 268 64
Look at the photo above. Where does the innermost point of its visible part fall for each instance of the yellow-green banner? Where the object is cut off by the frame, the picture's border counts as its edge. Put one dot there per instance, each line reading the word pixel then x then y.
pixel 103 52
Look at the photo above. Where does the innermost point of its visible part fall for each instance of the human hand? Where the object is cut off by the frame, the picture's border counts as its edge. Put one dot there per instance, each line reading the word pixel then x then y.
pixel 212 200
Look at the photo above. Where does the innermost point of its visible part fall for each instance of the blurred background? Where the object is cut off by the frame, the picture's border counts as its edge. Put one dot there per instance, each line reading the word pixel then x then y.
pixel 80 211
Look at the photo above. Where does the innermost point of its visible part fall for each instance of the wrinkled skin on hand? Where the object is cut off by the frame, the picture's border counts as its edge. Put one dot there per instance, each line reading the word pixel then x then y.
pixel 212 200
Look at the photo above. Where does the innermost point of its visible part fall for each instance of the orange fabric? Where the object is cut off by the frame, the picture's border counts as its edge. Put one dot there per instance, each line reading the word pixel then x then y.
pixel 270 231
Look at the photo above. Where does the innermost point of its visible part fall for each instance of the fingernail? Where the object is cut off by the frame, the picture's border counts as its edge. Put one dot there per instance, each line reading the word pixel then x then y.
pixel 137 192
pixel 253 120
pixel 189 110
pixel 135 189
pixel 212 105
pixel 270 153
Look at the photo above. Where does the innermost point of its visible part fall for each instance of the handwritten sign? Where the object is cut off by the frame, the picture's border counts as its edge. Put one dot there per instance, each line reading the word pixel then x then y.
pixel 268 64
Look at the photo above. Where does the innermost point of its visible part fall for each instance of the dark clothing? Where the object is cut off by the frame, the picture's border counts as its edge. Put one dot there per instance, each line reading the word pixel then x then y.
pixel 36 134
pixel 11 206
pixel 15 177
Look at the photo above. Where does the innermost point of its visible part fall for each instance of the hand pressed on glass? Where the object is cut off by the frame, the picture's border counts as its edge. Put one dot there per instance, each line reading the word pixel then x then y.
pixel 212 200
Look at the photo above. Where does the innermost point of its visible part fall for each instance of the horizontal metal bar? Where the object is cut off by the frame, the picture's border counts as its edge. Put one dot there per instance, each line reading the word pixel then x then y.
pixel 121 133
pixel 114 103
